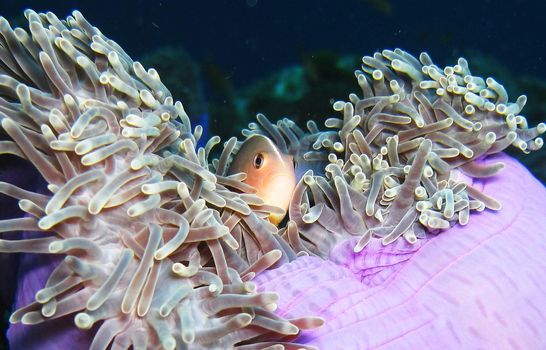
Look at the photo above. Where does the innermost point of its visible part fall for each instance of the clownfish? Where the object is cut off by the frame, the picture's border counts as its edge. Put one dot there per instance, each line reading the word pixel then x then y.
pixel 268 170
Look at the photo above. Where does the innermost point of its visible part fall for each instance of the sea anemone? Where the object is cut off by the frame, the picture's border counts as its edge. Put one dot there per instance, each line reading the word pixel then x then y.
pixel 161 246
pixel 150 231
pixel 398 161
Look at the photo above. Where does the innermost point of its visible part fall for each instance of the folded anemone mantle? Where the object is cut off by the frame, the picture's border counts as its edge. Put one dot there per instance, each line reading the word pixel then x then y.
pixel 157 247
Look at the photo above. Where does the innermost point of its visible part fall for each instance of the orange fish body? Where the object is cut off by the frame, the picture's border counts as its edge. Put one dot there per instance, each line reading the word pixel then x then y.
pixel 268 170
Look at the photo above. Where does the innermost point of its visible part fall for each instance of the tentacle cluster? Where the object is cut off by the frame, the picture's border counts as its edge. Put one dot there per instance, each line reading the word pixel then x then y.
pixel 402 156
pixel 160 248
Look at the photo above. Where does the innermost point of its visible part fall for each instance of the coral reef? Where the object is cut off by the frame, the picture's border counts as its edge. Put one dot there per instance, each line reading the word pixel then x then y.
pixel 150 236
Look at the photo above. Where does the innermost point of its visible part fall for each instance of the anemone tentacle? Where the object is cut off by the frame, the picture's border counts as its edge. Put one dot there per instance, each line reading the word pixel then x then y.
pixel 151 235
pixel 399 158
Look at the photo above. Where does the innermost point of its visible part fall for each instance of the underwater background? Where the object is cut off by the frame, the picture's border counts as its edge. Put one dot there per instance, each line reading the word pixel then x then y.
pixel 227 60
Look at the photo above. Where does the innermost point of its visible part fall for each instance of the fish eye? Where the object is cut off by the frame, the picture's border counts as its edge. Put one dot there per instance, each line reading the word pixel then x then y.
pixel 258 161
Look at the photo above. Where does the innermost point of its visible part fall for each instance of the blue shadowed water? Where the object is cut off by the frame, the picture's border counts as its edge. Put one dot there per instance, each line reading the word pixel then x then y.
pixel 203 120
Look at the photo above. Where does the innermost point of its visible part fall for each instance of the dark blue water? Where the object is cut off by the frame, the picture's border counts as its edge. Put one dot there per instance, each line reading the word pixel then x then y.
pixel 249 38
